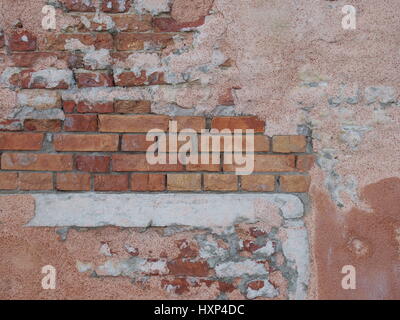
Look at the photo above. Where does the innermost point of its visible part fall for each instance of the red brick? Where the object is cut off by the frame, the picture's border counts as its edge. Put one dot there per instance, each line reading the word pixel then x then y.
pixel 2 39
pixel 258 183
pixel 148 182
pixel 294 183
pixel 210 166
pixel 31 59
pixel 133 22
pixel 43 125
pixel 20 141
pixel 304 163
pixel 111 182
pixel 69 106
pixel 79 122
pixel 80 5
pixel 256 284
pixel 226 98
pixel 35 181
pixel 22 40
pixel 8 180
pixel 73 182
pixel 84 107
pixel 138 162
pixel 36 162
pixel 116 6
pixel 166 24
pixel 194 123
pixel 182 267
pixel 141 41
pixel 129 79
pixel 288 144
pixel 243 123
pixel 57 42
pixel 91 79
pixel 130 106
pixel 86 142
pixel 268 163
pixel 135 143
pixel 93 163
pixel 136 123
pixel 220 182
pixel 184 182
pixel 26 79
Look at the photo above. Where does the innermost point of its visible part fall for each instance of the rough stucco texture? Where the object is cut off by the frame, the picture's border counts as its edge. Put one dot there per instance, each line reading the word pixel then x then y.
pixel 289 63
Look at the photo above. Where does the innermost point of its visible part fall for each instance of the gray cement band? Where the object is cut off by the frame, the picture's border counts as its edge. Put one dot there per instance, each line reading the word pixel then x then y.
pixel 142 210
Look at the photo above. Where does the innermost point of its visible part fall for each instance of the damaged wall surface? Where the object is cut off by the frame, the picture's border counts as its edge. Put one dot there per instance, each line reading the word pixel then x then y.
pixel 290 64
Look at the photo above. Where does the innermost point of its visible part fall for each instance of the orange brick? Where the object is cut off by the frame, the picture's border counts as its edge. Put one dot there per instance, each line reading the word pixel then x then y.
pixel 138 162
pixel 137 123
pixel 8 180
pixel 36 162
pixel 268 163
pixel 220 182
pixel 210 167
pixel 135 143
pixel 43 125
pixel 148 182
pixel 261 143
pixel 84 107
pixel 288 144
pixel 184 182
pixel 93 163
pixel 80 122
pixel 130 106
pixel 194 123
pixel 73 181
pixel 304 163
pixel 107 182
pixel 20 141
pixel 294 183
pixel 86 142
pixel 243 123
pixel 35 181
pixel 258 183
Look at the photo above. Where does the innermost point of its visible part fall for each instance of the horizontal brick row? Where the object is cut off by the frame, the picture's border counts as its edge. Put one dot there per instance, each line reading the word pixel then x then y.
pixel 141 182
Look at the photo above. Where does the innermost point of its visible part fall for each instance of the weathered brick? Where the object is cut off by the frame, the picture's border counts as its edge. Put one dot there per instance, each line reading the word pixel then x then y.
pixel 130 79
pixel 184 182
pixel 138 162
pixel 69 106
pixel 148 182
pixel 36 162
pixel 2 39
pixel 111 182
pixel 42 79
pixel 35 181
pixel 258 183
pixel 183 267
pixel 226 98
pixel 136 123
pixel 243 123
pixel 135 143
pixel 20 141
pixel 39 99
pixel 141 41
pixel 166 24
pixel 194 123
pixel 10 125
pixel 268 163
pixel 64 41
pixel 133 22
pixel 294 183
pixel 43 125
pixel 304 163
pixel 80 122
pixel 32 59
pixel 91 79
pixel 85 107
pixel 8 180
pixel 220 182
pixel 86 142
pixel 93 163
pixel 116 6
pixel 130 106
pixel 80 5
pixel 73 181
pixel 288 144
pixel 22 40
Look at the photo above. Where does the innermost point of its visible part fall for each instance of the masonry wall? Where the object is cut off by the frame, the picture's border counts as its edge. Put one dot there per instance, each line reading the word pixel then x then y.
pixel 77 101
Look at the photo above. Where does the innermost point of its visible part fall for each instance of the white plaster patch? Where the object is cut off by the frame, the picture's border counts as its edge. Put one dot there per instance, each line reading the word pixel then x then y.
pixel 239 269
pixel 155 7
pixel 142 210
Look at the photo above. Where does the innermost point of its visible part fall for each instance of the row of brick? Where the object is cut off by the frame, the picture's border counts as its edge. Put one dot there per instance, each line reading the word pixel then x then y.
pixel 45 181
